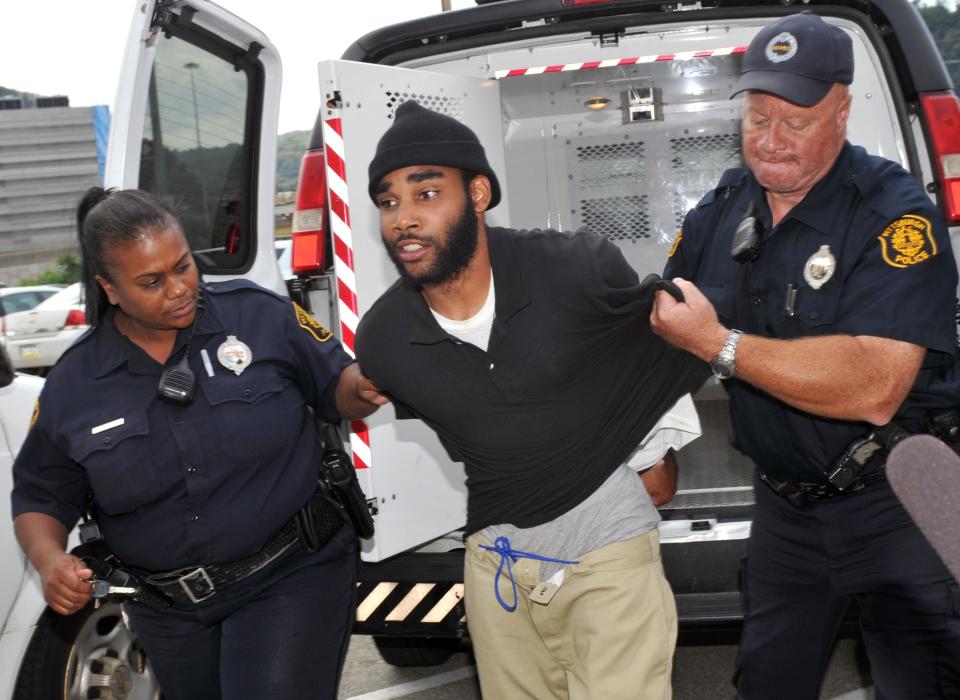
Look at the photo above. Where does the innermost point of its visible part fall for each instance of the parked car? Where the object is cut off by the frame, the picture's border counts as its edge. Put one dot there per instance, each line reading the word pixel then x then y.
pixel 14 299
pixel 36 338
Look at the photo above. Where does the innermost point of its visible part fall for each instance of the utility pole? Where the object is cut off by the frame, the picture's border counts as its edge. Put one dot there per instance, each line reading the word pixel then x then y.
pixel 192 66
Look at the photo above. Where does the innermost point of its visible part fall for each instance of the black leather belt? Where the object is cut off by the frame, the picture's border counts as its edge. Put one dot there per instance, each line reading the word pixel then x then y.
pixel 194 584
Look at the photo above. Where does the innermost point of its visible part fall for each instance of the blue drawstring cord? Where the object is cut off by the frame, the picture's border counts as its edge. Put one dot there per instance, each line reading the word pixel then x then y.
pixel 501 546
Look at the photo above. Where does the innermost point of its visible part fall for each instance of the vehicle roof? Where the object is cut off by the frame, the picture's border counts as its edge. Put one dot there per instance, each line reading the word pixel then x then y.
pixel 32 288
pixel 896 23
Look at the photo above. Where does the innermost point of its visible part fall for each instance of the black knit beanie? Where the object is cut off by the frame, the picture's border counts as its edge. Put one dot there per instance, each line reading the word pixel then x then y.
pixel 420 136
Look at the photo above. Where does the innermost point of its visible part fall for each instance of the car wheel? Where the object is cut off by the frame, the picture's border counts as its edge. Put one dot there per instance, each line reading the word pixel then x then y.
pixel 416 651
pixel 90 654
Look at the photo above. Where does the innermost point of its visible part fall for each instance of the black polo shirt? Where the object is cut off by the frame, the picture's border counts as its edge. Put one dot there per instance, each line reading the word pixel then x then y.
pixel 174 485
pixel 893 276
pixel 572 381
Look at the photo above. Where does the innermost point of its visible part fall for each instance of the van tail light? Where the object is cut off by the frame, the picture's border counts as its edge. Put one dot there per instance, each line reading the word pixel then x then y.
pixel 310 215
pixel 75 318
pixel 941 111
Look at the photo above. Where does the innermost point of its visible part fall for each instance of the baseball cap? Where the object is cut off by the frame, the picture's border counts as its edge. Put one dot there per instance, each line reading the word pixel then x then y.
pixel 798 58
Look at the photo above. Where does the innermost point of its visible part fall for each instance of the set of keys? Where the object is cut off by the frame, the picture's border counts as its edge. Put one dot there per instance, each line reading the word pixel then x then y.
pixel 100 589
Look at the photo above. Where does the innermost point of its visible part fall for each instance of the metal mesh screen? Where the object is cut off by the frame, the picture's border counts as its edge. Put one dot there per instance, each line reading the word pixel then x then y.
pixel 610 164
pixel 445 104
pixel 697 162
pixel 625 218
pixel 713 152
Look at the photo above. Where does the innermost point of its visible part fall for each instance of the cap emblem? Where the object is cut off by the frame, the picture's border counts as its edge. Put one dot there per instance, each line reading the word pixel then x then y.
pixel 781 48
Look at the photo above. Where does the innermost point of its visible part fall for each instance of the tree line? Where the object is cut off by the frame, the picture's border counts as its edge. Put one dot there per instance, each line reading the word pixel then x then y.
pixel 944 24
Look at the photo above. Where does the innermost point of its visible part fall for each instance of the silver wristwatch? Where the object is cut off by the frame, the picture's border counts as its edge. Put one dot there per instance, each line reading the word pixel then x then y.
pixel 724 364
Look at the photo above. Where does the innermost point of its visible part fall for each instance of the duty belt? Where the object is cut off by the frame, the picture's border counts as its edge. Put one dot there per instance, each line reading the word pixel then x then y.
pixel 194 584
pixel 799 492
pixel 845 475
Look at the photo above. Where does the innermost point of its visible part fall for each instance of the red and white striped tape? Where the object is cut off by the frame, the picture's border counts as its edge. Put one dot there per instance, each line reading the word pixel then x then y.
pixel 343 264
pixel 613 62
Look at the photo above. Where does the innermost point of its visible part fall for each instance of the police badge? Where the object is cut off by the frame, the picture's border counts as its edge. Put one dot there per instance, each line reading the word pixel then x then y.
pixel 234 354
pixel 820 267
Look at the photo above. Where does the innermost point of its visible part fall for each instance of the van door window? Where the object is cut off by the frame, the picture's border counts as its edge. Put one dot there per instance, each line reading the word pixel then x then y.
pixel 198 146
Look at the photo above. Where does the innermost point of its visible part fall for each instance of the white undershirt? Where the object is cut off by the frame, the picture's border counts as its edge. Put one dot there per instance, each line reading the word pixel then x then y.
pixel 476 329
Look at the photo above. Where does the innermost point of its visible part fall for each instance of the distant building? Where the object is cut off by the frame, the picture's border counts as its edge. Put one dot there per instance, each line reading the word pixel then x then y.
pixel 50 154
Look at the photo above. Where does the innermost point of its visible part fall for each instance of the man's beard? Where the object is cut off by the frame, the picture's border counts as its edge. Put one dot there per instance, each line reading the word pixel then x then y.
pixel 450 259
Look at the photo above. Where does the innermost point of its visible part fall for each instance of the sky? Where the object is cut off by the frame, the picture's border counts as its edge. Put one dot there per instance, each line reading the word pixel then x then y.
pixel 73 48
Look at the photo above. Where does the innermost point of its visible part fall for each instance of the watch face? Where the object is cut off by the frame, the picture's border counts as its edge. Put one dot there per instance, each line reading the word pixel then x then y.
pixel 721 368
pixel 720 371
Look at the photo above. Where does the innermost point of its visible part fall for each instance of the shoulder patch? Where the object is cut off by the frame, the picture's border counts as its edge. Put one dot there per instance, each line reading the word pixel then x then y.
pixel 676 242
pixel 908 241
pixel 310 324
pixel 35 414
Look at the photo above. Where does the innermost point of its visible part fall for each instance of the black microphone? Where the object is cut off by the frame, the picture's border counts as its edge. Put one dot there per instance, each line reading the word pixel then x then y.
pixel 925 474
pixel 177 383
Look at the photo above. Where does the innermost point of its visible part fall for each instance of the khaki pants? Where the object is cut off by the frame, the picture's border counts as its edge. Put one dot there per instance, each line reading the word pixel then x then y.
pixel 608 632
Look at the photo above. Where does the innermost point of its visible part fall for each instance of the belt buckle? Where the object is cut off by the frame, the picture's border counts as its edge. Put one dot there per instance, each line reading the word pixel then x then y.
pixel 197 585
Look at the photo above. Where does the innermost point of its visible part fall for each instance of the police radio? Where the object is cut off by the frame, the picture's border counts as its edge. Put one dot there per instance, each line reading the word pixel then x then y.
pixel 177 383
pixel 747 238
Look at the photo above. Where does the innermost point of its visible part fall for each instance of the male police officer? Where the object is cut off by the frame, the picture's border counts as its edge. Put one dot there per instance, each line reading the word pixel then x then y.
pixel 844 291
pixel 531 355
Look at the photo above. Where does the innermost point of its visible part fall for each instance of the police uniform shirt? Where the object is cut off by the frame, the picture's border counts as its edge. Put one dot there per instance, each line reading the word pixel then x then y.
pixel 572 380
pixel 175 485
pixel 893 275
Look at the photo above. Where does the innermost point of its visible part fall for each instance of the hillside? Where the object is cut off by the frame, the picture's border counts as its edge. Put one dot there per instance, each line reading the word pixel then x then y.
pixel 290 147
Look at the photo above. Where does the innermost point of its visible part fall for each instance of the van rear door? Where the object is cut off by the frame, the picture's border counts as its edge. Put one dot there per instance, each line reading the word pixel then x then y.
pixel 419 492
pixel 195 121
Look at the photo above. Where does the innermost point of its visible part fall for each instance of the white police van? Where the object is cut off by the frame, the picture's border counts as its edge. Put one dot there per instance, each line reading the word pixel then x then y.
pixel 606 114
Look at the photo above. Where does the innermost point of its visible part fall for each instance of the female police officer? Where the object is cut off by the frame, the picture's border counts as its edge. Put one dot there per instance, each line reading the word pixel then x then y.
pixel 197 491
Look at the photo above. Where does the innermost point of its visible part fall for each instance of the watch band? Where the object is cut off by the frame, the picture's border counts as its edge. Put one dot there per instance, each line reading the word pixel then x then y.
pixel 724 364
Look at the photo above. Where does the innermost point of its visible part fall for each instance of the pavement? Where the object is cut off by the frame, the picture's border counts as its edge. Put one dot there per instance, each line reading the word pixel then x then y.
pixel 700 673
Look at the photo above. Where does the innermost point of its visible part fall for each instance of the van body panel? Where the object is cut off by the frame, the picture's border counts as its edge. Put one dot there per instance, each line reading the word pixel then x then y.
pixel 419 492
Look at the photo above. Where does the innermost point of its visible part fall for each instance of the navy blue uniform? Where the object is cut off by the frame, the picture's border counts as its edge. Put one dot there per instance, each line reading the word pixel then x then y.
pixel 201 484
pixel 894 276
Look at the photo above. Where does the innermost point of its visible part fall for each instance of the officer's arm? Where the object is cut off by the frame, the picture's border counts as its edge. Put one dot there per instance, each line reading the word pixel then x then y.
pixel 356 396
pixel 63 576
pixel 862 378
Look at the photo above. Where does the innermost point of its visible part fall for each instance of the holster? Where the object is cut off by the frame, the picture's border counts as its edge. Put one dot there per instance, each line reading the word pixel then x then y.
pixel 339 476
pixel 944 423
pixel 319 520
pixel 847 467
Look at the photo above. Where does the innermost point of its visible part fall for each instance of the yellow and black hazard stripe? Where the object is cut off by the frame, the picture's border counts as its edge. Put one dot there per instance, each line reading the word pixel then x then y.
pixel 428 608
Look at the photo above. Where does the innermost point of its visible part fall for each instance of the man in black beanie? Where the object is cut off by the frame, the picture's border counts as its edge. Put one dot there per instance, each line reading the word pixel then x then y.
pixel 531 355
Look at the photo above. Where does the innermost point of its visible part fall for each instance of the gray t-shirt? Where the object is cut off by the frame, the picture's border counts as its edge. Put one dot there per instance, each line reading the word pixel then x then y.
pixel 620 509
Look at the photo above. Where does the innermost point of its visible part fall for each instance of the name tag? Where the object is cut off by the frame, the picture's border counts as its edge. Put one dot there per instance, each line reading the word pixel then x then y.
pixel 106 426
